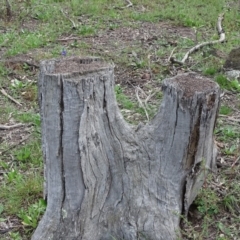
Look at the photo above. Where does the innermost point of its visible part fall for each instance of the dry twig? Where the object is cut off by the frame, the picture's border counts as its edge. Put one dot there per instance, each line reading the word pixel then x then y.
pixel 68 39
pixel 141 103
pixel 129 4
pixel 200 45
pixel 74 26
pixel 234 163
pixel 170 57
pixel 11 98
pixel 5 127
pixel 149 97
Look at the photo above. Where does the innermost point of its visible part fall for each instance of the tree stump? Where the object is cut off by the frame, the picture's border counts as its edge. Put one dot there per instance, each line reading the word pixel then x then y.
pixel 106 179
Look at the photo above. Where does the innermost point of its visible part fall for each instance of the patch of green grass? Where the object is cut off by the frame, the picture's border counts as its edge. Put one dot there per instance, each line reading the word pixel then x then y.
pixel 30 154
pixel 230 150
pixel 231 200
pixel 225 110
pixel 227 84
pixel 15 235
pixel 28 117
pixel 207 202
pixel 86 30
pixel 3 70
pixel 122 99
pixel 23 42
pixel 211 71
pixel 227 133
pixel 31 216
pixel 6 110
pixel 19 189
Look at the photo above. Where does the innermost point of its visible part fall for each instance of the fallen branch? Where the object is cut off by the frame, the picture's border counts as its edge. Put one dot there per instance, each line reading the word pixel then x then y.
pixel 234 163
pixel 73 23
pixel 197 47
pixel 148 98
pixel 11 98
pixel 129 4
pixel 67 39
pixel 170 57
pixel 5 127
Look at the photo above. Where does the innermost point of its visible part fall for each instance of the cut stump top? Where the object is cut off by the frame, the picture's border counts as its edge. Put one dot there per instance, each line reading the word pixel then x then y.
pixel 68 65
pixel 192 82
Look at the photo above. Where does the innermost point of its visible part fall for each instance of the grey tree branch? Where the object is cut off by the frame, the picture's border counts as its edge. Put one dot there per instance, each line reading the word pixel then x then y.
pixel 6 127
pixel 129 3
pixel 200 45
pixel 11 98
pixel 74 26
pixel 141 103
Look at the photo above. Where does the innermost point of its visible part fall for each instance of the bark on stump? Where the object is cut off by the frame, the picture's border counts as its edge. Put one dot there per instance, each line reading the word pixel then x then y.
pixel 105 179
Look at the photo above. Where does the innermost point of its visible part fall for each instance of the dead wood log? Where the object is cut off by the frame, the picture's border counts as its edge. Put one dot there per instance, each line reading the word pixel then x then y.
pixel 104 179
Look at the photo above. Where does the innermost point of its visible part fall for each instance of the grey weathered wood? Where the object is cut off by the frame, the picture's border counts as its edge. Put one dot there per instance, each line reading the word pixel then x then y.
pixel 105 179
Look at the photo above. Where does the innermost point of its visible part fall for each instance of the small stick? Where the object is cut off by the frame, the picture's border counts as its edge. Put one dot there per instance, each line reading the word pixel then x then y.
pixel 67 39
pixel 198 46
pixel 73 23
pixel 129 3
pixel 169 59
pixel 149 97
pixel 11 98
pixel 234 163
pixel 5 127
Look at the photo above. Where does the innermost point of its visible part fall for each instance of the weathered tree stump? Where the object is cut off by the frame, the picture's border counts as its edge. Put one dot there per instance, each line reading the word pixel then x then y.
pixel 106 179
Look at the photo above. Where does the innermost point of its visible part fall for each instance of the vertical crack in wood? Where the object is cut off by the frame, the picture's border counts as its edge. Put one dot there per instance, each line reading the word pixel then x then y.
pixel 61 108
pixel 193 140
pixel 184 190
pixel 175 124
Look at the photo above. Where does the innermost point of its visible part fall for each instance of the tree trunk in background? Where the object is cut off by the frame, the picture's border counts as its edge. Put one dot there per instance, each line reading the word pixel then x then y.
pixel 106 179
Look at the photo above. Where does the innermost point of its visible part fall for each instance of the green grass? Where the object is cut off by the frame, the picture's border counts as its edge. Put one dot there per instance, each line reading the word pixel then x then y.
pixel 224 83
pixel 122 99
pixel 225 110
pixel 36 29
pixel 211 71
